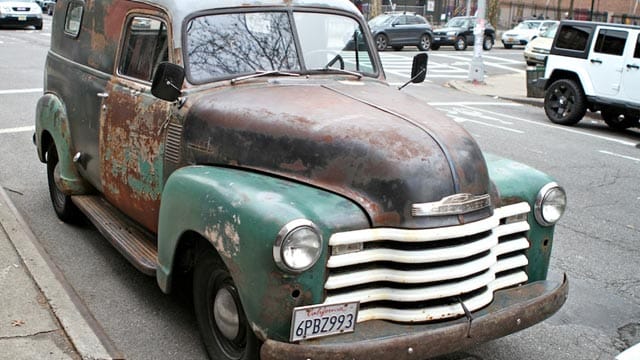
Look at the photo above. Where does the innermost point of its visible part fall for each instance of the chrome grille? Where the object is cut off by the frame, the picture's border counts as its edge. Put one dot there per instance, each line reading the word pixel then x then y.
pixel 421 275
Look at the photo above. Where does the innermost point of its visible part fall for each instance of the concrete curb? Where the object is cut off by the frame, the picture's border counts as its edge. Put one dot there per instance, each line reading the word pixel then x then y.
pixel 84 332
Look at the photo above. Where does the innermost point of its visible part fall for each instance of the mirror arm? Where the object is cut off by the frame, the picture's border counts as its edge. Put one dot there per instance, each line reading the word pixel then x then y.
pixel 413 78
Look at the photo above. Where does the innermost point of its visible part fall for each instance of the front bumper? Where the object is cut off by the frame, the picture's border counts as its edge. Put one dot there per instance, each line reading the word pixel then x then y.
pixel 21 20
pixel 511 310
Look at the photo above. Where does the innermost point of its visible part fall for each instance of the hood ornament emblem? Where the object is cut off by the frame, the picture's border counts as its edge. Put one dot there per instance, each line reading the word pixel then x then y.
pixel 457 204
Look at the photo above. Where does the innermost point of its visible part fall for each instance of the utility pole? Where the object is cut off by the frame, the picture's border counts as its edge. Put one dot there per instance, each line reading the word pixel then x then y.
pixel 591 13
pixel 476 67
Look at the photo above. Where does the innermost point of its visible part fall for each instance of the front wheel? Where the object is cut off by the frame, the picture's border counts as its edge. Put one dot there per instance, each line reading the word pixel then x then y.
pixel 425 42
pixel 225 331
pixel 617 120
pixel 564 102
pixel 460 43
pixel 487 43
pixel 381 42
pixel 65 209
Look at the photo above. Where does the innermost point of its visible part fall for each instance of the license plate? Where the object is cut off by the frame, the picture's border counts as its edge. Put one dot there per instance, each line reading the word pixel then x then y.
pixel 437 39
pixel 322 320
pixel 22 18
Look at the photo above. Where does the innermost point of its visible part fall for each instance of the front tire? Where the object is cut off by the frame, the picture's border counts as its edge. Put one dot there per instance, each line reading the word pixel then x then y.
pixel 425 42
pixel 381 42
pixel 564 102
pixel 460 43
pixel 224 329
pixel 617 120
pixel 65 209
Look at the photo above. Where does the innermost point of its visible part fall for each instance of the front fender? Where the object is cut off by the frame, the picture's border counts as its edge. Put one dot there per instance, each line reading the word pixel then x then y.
pixel 518 182
pixel 51 118
pixel 240 213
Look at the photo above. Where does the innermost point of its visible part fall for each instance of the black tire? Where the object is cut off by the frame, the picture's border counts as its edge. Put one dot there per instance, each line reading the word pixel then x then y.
pixel 564 102
pixel 425 42
pixel 461 43
pixel 397 47
pixel 65 209
pixel 508 46
pixel 435 47
pixel 210 281
pixel 617 120
pixel 487 43
pixel 381 42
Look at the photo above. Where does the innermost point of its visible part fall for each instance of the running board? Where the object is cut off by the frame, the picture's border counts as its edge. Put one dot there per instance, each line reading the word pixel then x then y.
pixel 135 243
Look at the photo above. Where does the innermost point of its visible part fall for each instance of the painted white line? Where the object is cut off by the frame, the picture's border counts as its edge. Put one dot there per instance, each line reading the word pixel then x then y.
pixel 17 130
pixel 473 103
pixel 20 91
pixel 461 120
pixel 558 127
pixel 486 63
pixel 619 155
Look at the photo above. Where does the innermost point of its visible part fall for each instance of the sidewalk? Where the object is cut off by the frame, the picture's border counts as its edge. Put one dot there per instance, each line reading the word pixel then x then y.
pixel 41 317
pixel 512 87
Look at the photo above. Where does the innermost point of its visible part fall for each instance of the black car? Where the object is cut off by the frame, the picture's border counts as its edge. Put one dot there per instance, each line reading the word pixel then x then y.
pixel 401 29
pixel 458 32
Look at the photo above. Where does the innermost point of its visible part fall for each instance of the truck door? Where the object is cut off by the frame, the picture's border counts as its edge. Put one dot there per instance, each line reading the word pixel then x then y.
pixel 606 61
pixel 132 124
pixel 631 71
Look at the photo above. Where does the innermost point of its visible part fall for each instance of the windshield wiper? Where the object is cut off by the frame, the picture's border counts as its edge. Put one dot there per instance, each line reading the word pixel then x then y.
pixel 260 73
pixel 341 71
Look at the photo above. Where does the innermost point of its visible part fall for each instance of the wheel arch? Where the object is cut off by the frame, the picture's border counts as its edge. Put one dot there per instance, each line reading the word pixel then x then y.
pixel 239 214
pixel 558 74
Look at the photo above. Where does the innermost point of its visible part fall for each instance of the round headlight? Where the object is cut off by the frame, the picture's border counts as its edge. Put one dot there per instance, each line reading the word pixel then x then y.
pixel 550 204
pixel 298 246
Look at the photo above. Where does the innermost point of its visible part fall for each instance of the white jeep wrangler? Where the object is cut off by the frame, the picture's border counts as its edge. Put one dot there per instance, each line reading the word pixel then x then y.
pixel 594 66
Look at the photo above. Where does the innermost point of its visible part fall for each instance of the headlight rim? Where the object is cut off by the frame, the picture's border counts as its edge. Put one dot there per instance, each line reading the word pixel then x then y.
pixel 284 233
pixel 540 198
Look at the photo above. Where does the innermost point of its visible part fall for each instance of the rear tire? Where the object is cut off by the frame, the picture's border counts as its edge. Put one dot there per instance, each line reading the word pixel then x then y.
pixel 617 120
pixel 224 329
pixel 487 43
pixel 564 102
pixel 425 42
pixel 65 209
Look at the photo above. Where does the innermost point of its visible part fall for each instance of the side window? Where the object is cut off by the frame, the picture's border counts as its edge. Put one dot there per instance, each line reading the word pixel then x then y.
pixel 73 19
pixel 573 38
pixel 636 53
pixel 145 47
pixel 611 42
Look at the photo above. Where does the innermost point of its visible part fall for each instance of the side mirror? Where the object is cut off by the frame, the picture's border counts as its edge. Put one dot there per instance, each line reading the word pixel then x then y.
pixel 167 81
pixel 418 69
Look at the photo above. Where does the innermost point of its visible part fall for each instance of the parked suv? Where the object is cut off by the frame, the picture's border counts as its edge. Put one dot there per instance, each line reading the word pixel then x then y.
pixel 255 151
pixel 594 66
pixel 458 32
pixel 401 29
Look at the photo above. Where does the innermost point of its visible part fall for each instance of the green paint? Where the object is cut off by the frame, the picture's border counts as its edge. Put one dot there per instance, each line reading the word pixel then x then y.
pixel 241 213
pixel 516 180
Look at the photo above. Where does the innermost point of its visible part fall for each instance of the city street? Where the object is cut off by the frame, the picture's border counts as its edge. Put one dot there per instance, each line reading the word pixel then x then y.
pixel 596 242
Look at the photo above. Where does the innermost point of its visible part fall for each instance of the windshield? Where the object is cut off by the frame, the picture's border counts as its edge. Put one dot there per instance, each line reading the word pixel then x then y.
pixel 528 25
pixel 227 45
pixel 551 31
pixel 459 22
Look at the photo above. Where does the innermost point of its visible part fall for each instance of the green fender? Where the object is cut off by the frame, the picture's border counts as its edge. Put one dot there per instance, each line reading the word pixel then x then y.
pixel 240 213
pixel 51 117
pixel 518 182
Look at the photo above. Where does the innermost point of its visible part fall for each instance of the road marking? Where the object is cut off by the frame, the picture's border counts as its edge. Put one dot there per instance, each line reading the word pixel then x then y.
pixel 462 120
pixel 20 91
pixel 619 155
pixel 486 63
pixel 558 127
pixel 472 103
pixel 17 130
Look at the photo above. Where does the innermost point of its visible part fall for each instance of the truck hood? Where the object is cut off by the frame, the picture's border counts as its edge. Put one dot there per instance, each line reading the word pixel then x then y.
pixel 375 145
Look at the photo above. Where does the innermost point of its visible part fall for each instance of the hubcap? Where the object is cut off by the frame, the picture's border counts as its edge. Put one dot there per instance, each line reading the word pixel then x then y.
pixel 225 313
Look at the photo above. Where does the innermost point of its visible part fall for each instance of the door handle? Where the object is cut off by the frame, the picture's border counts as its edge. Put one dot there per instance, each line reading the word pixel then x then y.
pixel 596 61
pixel 633 66
pixel 103 95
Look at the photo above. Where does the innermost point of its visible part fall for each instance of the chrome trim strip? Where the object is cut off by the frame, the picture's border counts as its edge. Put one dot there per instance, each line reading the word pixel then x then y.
pixel 457 204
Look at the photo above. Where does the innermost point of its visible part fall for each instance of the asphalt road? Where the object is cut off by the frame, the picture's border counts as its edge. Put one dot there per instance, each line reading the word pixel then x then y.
pixel 596 242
